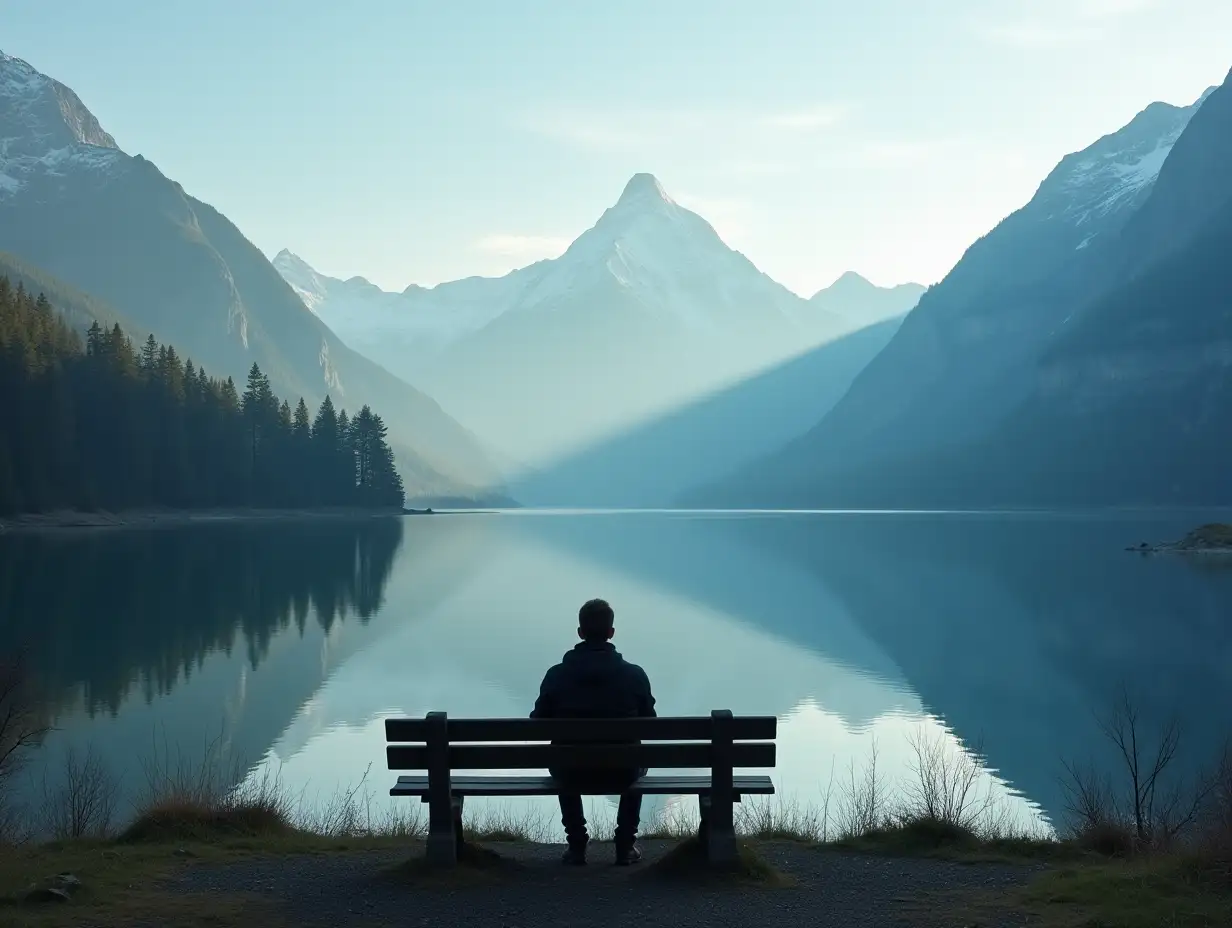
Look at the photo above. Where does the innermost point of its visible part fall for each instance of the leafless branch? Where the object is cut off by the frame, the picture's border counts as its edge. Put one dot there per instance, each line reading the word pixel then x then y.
pixel 21 725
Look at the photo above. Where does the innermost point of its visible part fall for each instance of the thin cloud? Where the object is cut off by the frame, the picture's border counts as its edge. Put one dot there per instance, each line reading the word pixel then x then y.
pixel 1062 24
pixel 904 153
pixel 1037 36
pixel 522 247
pixel 585 130
pixel 626 131
pixel 752 167
pixel 805 120
pixel 1111 9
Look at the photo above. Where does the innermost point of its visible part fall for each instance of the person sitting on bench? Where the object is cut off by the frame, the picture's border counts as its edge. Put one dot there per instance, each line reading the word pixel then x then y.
pixel 593 681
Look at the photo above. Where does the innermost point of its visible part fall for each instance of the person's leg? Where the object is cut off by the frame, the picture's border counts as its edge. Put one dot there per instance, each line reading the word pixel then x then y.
pixel 628 818
pixel 573 817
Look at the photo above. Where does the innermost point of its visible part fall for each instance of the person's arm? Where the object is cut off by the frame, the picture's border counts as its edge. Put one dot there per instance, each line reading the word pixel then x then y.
pixel 545 704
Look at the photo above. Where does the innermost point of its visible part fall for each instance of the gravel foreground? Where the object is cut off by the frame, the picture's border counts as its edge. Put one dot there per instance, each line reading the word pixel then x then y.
pixel 830 889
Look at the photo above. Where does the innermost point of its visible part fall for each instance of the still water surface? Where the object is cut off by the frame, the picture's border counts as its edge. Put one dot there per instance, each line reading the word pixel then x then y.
pixel 288 645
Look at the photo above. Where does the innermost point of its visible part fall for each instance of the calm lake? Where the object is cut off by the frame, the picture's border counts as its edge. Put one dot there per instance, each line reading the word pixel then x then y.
pixel 287 645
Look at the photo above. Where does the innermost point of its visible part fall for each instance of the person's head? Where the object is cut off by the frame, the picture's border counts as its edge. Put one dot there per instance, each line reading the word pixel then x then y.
pixel 596 621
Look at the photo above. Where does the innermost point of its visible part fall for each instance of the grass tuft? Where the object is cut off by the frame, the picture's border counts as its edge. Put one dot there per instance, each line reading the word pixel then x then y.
pixel 687 862
pixel 173 820
pixel 476 864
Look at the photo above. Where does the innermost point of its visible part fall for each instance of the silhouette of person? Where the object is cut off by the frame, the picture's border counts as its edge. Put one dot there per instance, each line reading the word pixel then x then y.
pixel 593 681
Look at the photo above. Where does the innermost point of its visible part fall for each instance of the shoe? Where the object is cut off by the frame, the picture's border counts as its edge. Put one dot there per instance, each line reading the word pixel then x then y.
pixel 626 856
pixel 574 857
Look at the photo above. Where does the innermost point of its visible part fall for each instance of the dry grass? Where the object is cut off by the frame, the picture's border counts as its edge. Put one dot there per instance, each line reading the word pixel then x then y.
pixel 1169 891
pixel 503 826
pixel 119 884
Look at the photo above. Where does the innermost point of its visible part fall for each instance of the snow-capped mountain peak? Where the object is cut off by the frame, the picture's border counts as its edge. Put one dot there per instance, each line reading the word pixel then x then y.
pixel 644 189
pixel 45 128
pixel 52 115
pixel 1109 179
pixel 303 278
pixel 649 249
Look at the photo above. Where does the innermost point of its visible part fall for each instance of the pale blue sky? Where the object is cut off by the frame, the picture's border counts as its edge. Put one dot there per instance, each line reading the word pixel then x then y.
pixel 417 142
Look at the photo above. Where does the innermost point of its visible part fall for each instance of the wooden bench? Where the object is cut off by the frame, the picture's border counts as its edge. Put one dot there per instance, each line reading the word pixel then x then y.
pixel 441 745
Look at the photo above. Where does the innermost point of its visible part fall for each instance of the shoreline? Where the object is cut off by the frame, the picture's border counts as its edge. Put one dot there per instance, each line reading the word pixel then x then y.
pixel 76 521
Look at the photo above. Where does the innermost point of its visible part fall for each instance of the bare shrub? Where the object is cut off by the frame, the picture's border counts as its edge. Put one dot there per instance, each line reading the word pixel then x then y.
pixel 82 804
pixel 1149 805
pixel 351 813
pixel 944 785
pixel 22 727
pixel 785 820
pixel 1217 816
pixel 866 798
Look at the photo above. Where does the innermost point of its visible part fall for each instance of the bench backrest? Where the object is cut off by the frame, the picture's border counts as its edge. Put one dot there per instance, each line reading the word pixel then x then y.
pixel 720 740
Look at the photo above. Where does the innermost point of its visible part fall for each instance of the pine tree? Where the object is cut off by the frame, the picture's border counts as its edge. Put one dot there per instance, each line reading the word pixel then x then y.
pixel 94 423
pixel 301 425
pixel 149 356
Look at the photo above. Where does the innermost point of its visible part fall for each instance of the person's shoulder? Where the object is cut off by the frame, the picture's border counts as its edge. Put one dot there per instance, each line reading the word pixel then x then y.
pixel 636 670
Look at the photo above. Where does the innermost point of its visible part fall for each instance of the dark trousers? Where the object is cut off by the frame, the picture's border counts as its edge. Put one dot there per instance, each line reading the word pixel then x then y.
pixel 604 783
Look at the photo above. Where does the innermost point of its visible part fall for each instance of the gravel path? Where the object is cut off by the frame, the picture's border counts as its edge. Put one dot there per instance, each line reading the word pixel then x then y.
pixel 831 889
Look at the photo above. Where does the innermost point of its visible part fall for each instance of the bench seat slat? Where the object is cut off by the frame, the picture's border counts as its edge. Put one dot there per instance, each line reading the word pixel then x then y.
pixel 546 786
pixel 552 756
pixel 689 728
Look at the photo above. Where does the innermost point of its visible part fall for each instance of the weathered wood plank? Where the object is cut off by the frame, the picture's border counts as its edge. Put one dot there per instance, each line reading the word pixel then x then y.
pixel 564 756
pixel 752 785
pixel 749 728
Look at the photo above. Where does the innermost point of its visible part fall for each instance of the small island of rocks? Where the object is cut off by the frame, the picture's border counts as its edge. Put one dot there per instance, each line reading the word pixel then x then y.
pixel 1212 538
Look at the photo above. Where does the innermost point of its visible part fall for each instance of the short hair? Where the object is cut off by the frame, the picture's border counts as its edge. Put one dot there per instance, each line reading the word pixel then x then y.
pixel 596 619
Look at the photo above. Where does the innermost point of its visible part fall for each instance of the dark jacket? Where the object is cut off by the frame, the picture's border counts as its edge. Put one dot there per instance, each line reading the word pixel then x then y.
pixel 593 681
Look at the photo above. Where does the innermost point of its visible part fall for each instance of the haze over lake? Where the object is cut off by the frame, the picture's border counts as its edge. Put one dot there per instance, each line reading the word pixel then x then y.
pixel 289 644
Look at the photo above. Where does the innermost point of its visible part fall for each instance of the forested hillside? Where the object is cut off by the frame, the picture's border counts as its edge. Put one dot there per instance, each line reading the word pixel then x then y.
pixel 103 425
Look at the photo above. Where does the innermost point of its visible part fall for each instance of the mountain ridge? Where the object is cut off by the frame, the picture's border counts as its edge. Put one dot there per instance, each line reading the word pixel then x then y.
pixel 938 418
pixel 650 287
pixel 113 226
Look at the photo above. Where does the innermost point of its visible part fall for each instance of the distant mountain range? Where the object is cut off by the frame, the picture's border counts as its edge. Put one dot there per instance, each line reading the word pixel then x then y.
pixel 1078 354
pixel 647 310
pixel 73 206
pixel 857 300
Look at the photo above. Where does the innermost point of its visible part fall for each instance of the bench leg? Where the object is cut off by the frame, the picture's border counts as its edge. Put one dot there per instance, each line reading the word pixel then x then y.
pixel 720 842
pixel 445 833
pixel 457 802
pixel 717 831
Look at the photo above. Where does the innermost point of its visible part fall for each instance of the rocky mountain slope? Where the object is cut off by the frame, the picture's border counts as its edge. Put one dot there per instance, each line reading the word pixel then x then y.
pixel 935 419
